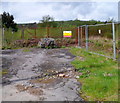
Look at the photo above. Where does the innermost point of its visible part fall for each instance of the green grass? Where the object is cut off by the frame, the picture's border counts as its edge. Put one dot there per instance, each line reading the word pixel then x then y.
pixel 3 72
pixel 26 50
pixel 101 45
pixel 99 76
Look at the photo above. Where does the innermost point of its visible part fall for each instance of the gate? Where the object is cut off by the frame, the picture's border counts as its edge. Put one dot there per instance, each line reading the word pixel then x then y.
pixel 99 39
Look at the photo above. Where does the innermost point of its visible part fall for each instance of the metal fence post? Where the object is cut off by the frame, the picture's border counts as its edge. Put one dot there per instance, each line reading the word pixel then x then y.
pixel 114 42
pixel 86 35
pixel 78 37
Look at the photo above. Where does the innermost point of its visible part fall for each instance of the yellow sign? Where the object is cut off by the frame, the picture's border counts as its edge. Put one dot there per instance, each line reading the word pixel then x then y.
pixel 67 33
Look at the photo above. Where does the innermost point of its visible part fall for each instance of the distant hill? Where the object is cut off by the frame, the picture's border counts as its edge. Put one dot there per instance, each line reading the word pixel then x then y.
pixel 69 23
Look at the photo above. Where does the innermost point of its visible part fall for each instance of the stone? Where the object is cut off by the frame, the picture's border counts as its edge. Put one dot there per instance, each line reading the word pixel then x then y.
pixel 66 75
pixel 61 75
pixel 77 77
pixel 69 69
pixel 80 73
pixel 47 43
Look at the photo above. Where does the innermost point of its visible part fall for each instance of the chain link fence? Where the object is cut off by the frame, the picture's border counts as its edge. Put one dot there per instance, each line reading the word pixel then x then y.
pixel 101 39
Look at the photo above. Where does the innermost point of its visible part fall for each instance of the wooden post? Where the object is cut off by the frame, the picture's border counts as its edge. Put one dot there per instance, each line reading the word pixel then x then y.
pixel 22 33
pixel 78 36
pixel 86 35
pixel 61 32
pixel 35 32
pixel 81 36
pixel 48 32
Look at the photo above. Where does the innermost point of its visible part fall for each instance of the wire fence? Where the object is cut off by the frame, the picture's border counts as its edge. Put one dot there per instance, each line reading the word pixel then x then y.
pixel 99 39
pixel 55 32
pixel 26 33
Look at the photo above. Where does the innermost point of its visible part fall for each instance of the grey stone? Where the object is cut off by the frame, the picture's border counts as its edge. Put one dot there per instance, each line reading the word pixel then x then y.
pixel 47 43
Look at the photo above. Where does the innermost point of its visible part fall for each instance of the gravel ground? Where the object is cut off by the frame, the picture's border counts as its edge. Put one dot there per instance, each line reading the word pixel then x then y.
pixel 39 75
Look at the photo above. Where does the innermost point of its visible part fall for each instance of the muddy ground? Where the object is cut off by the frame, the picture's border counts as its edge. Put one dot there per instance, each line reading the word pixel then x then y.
pixel 39 75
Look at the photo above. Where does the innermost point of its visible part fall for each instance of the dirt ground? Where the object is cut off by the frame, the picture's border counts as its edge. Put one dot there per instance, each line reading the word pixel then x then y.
pixel 39 75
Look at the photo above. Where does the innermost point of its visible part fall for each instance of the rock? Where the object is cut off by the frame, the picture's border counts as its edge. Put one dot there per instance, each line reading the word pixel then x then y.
pixel 80 73
pixel 61 75
pixel 66 75
pixel 69 69
pixel 77 77
pixel 31 85
pixel 110 75
pixel 47 43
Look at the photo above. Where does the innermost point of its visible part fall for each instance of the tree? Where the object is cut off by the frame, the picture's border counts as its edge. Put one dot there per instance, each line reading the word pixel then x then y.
pixel 48 21
pixel 8 21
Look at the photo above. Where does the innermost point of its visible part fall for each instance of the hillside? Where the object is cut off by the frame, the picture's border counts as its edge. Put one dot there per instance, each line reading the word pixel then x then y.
pixel 69 23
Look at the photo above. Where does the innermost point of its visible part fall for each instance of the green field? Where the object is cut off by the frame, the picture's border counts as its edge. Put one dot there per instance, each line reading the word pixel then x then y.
pixel 98 76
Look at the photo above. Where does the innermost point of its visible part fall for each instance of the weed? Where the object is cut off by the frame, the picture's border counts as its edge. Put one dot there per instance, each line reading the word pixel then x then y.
pixel 3 72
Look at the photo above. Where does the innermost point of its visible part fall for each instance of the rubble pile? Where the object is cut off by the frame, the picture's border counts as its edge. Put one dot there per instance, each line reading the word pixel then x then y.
pixel 47 43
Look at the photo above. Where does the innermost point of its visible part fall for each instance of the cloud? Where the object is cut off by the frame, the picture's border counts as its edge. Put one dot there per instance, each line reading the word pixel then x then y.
pixel 33 11
pixel 119 11
pixel 103 11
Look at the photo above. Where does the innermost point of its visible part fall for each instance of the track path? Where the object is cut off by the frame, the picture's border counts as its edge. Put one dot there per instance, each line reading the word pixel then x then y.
pixel 39 75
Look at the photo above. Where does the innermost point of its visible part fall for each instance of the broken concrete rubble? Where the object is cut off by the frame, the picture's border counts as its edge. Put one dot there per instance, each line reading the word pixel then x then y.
pixel 47 43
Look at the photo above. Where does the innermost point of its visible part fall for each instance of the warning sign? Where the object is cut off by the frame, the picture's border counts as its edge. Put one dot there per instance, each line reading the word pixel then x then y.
pixel 67 33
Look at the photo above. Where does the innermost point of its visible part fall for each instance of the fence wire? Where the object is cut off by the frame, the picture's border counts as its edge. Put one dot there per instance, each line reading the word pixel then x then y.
pixel 99 39
pixel 25 33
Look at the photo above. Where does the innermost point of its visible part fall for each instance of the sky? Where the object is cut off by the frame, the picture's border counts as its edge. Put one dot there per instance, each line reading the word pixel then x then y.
pixel 30 12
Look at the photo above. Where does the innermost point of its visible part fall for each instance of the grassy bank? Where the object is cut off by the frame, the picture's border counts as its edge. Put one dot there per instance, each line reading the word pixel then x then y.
pixel 98 76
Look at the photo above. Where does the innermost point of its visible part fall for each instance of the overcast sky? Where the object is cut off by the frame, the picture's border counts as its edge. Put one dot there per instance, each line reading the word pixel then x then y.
pixel 25 12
